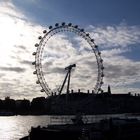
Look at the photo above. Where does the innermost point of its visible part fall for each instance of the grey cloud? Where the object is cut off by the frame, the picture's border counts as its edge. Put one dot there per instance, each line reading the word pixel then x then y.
pixel 26 62
pixel 48 64
pixel 121 35
pixel 1 75
pixel 20 49
pixel 14 69
pixel 55 70
pixel 20 46
pixel 115 71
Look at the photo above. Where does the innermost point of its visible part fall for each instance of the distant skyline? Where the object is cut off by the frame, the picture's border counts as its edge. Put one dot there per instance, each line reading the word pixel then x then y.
pixel 114 24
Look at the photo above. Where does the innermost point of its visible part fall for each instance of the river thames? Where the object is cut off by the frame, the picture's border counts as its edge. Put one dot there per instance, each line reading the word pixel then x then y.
pixel 16 127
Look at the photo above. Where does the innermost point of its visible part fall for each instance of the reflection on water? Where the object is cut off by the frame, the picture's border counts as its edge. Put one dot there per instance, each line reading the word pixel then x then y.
pixel 16 127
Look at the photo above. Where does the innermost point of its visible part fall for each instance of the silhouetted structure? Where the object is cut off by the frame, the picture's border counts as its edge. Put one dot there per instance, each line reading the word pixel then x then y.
pixel 68 75
pixel 87 103
pixel 106 129
pixel 109 89
pixel 22 107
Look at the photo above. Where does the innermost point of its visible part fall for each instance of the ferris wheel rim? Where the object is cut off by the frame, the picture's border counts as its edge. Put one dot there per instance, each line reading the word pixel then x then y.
pixel 40 47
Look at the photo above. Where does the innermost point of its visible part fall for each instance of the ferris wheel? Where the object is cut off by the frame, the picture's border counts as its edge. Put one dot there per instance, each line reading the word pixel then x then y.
pixel 47 35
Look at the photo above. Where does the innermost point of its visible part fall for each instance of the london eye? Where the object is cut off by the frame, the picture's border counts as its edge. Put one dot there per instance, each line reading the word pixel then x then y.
pixel 40 54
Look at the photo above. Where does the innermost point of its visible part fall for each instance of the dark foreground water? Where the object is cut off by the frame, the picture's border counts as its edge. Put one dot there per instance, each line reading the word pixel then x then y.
pixel 16 127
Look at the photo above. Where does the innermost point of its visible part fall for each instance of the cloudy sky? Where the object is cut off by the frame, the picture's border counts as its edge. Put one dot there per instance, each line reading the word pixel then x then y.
pixel 114 24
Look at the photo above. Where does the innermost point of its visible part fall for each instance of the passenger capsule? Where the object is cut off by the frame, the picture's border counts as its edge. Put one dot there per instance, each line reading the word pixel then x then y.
pixel 37 82
pixel 102 83
pixel 44 31
pixel 33 63
pixel 102 75
pixel 82 30
pixel 92 40
pixel 63 23
pixel 35 72
pixel 42 90
pixel 99 89
pixel 101 60
pixel 102 67
pixel 34 53
pixel 36 45
pixel 70 24
pixel 40 37
pixel 56 25
pixel 76 26
pixel 96 46
pixel 50 27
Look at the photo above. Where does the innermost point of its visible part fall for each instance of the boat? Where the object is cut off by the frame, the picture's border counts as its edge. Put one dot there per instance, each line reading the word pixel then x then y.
pixel 105 129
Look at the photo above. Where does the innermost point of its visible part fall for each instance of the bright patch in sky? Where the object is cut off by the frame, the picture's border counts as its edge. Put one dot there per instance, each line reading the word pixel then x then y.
pixel 21 24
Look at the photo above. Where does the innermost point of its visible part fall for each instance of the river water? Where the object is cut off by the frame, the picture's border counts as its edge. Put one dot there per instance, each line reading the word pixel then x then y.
pixel 16 127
